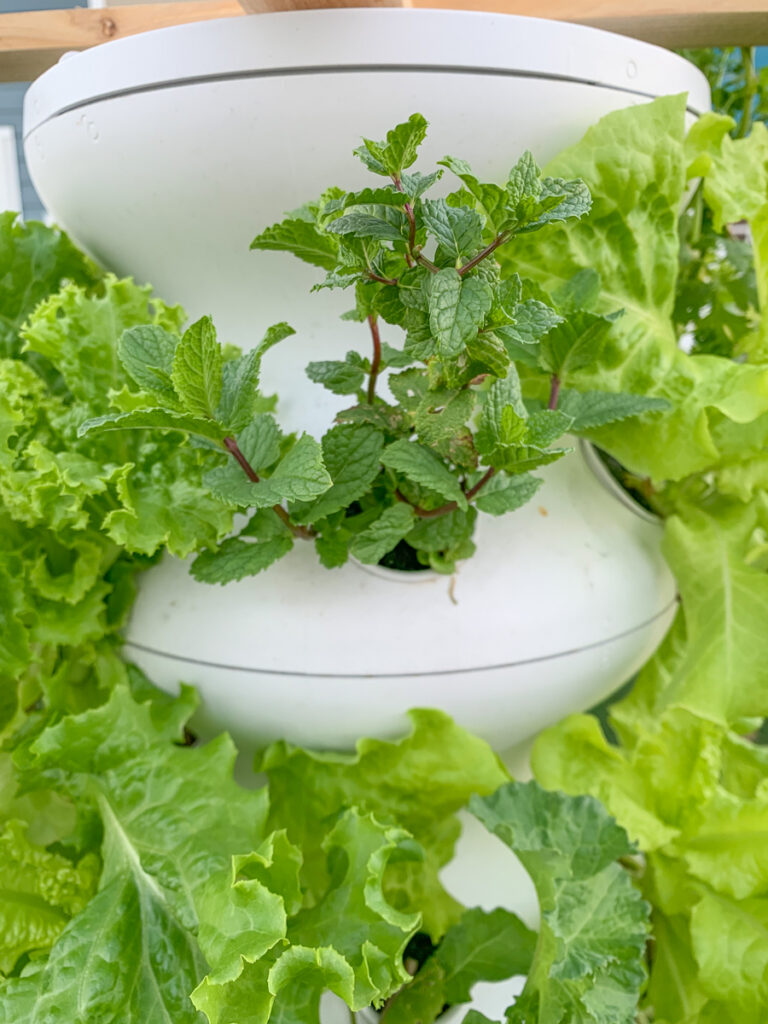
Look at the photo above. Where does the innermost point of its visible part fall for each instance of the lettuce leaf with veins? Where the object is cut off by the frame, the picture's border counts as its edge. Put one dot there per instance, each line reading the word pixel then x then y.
pixel 635 163
pixel 693 794
pixel 418 783
pixel 715 660
pixel 197 894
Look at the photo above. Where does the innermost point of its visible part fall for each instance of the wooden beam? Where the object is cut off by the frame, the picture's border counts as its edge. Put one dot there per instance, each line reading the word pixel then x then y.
pixel 31 42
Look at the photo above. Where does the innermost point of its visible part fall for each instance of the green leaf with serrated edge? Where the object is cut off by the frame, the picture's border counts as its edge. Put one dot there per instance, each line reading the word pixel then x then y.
pixel 494 425
pixel 302 239
pixel 458 231
pixel 398 152
pixel 457 308
pixel 545 426
pixel 351 454
pixel 338 376
pixel 443 533
pixel 442 414
pixel 492 199
pixel 591 409
pixel 418 783
pixel 299 476
pixel 415 185
pixel 386 195
pixel 532 320
pixel 574 343
pixel 424 467
pixel 147 353
pixel 41 892
pixel 235 559
pixel 332 546
pixel 196 372
pixel 489 352
pixel 385 223
pixel 152 419
pixel 381 536
pixel 588 965
pixel 240 381
pixel 523 182
pixel 504 494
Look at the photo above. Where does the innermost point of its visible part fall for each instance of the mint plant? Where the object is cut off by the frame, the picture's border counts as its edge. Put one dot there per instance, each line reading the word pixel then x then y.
pixel 451 434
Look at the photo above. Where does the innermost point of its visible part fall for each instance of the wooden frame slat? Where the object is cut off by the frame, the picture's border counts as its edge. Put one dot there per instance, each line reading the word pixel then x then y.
pixel 31 42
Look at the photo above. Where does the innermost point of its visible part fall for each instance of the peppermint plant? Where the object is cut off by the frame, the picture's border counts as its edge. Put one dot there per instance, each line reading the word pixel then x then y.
pixel 412 460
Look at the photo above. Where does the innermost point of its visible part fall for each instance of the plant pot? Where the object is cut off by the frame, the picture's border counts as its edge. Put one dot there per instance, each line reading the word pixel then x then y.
pixel 563 600
pixel 165 153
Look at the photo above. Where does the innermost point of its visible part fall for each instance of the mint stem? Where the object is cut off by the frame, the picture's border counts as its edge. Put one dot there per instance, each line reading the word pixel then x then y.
pixel 498 240
pixel 376 361
pixel 554 392
pixel 450 506
pixel 234 449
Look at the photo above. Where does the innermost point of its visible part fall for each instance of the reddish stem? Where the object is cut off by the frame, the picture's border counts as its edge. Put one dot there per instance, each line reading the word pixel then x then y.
pixel 233 448
pixel 480 483
pixel 554 392
pixel 376 361
pixel 450 506
pixel 381 280
pixel 498 240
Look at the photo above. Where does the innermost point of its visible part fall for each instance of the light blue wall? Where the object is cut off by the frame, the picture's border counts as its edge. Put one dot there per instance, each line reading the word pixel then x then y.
pixel 11 96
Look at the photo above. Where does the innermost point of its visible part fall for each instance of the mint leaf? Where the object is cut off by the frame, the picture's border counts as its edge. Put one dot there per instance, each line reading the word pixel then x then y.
pixel 342 378
pixel 147 353
pixel 421 465
pixel 236 559
pixel 196 369
pixel 505 493
pixel 299 476
pixel 575 343
pixel 302 239
pixel 378 221
pixel 239 389
pixel 491 199
pixel 152 419
pixel 398 152
pixel 351 454
pixel 523 184
pixel 457 308
pixel 459 231
pixel 381 536
pixel 591 409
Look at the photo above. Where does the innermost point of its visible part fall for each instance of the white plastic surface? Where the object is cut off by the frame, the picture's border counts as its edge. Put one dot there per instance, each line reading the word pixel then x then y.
pixel 171 184
pixel 562 601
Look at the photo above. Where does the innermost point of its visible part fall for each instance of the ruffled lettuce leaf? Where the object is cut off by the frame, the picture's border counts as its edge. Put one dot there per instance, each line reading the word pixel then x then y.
pixel 418 783
pixel 635 164
pixel 693 794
